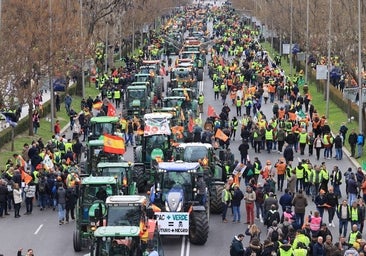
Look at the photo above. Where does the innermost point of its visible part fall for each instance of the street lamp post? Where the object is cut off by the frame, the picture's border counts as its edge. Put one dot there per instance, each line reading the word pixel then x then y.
pixel 360 98
pixel 82 51
pixel 291 28
pixel 307 41
pixel 50 68
pixel 106 49
pixel 329 62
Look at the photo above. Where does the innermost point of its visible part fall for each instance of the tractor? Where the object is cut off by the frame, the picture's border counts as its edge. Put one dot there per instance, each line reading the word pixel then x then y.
pixel 175 192
pixel 138 101
pixel 152 146
pixel 102 125
pixel 92 189
pixel 95 154
pixel 128 227
pixel 122 171
pixel 214 174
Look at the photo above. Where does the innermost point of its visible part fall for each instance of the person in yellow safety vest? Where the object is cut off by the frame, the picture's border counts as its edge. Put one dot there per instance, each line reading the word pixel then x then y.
pixel 300 173
pixel 325 177
pixel 201 100
pixel 226 198
pixel 355 214
pixel 123 123
pixel 239 103
pixel 327 142
pixel 303 140
pixel 234 126
pixel 109 94
pixel 257 166
pixel 285 249
pixel 269 136
pixel 117 97
pixel 217 91
pixel 354 235
pixel 307 175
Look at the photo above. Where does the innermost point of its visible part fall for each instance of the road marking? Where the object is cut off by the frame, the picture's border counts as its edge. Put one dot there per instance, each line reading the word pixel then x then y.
pixel 182 250
pixel 298 158
pixel 188 248
pixel 38 229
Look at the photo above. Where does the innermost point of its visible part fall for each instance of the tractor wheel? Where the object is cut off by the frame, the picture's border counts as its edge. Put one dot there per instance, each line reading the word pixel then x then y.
pixel 198 228
pixel 139 177
pixel 158 90
pixel 200 74
pixel 215 199
pixel 77 241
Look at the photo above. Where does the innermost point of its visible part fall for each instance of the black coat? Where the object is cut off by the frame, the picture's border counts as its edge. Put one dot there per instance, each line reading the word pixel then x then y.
pixel 288 154
pixel 3 194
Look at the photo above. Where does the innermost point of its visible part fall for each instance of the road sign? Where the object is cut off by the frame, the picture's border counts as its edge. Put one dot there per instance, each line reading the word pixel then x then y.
pixel 321 72
pixel 173 223
pixel 286 48
pixel 350 93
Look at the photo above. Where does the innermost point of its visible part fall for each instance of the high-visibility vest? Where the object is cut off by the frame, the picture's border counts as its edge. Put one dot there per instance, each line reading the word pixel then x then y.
pixel 299 252
pixel 216 88
pixel 109 94
pixel 303 137
pixel 354 214
pixel 201 99
pixel 352 237
pixel 269 135
pixel 117 94
pixel 315 223
pixel 68 145
pixel 238 102
pixel 285 253
pixel 299 172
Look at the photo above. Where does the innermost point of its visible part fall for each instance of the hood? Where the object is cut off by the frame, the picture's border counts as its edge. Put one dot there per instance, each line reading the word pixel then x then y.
pixel 174 199
pixel 286 247
pixel 272 211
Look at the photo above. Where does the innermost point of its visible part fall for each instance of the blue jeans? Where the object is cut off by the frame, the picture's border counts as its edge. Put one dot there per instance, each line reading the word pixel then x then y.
pixel 337 190
pixel 339 153
pixel 43 200
pixel 359 150
pixel 351 198
pixel 259 210
pixel 61 212
pixel 299 219
pixel 343 224
pixel 236 210
pixel 129 139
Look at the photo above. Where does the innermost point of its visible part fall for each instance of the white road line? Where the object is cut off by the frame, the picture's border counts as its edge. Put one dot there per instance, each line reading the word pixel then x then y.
pixel 38 229
pixel 182 250
pixel 188 248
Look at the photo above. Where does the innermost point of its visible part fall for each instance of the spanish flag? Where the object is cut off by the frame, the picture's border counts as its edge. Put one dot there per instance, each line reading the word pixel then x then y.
pixel 114 144
pixel 98 105
pixel 221 135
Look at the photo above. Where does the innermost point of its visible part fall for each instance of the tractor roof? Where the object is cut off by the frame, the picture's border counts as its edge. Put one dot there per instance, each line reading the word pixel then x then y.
pixel 124 164
pixel 137 87
pixel 95 143
pixel 158 115
pixel 127 199
pixel 98 180
pixel 117 231
pixel 104 119
pixel 195 144
pixel 178 166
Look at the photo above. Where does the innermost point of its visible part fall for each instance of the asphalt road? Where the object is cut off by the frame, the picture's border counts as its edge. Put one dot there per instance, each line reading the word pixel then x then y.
pixel 41 231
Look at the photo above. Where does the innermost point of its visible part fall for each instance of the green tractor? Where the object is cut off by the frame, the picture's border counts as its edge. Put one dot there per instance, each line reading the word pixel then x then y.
pixel 102 125
pixel 127 229
pixel 214 173
pixel 92 189
pixel 152 146
pixel 95 154
pixel 184 211
pixel 122 171
pixel 138 101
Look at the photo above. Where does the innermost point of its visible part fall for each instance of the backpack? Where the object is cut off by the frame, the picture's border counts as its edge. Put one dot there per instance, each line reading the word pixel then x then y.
pixel 42 187
pixel 274 235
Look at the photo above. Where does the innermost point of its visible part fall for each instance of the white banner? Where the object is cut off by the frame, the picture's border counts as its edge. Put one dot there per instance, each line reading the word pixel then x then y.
pixel 173 223
pixel 153 126
pixel 285 48
pixel 321 72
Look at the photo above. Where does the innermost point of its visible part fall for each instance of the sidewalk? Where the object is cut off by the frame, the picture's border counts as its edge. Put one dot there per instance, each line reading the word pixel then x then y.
pixel 46 96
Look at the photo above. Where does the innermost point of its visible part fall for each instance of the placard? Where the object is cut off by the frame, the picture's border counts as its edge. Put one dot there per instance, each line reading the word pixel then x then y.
pixel 173 223
pixel 321 72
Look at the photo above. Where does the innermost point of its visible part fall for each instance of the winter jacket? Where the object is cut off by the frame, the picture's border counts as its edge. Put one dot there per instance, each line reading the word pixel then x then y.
pixel 3 194
pixel 300 203
pixel 17 195
pixel 237 197
pixel 236 248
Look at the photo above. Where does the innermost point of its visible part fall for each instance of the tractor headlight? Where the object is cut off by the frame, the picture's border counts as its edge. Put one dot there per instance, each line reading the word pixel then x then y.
pixel 179 208
pixel 167 206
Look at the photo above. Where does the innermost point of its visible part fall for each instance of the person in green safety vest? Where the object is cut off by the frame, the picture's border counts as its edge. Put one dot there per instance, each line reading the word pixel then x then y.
pixel 285 249
pixel 117 97
pixel 354 235
pixel 226 199
pixel 234 126
pixel 201 100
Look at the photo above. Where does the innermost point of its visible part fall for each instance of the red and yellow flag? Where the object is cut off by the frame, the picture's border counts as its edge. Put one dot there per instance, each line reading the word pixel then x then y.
pixel 98 105
pixel 114 144
pixel 111 110
pixel 221 135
